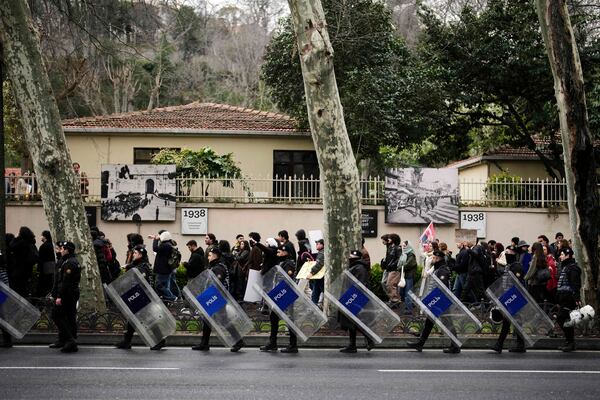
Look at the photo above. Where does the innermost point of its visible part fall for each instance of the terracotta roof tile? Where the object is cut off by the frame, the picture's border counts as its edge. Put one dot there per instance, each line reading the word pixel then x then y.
pixel 193 116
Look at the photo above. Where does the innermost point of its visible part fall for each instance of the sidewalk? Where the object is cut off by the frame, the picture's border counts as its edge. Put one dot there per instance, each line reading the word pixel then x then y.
pixel 396 342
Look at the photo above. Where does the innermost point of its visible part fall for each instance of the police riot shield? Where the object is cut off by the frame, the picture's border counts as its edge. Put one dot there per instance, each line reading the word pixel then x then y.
pixel 361 306
pixel 517 305
pixel 17 315
pixel 218 308
pixel 446 311
pixel 292 305
pixel 142 307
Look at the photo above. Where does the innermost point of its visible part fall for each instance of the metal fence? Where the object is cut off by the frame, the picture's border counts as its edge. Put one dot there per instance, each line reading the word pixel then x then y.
pixel 530 193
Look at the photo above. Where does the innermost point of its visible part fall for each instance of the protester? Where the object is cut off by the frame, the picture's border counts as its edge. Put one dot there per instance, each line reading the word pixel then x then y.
pixel 25 257
pixel 555 247
pixel 317 286
pixel 553 281
pixel 195 265
pixel 366 257
pixel 304 250
pixel 390 263
pixel 46 264
pixel 163 247
pixel 568 295
pixel 255 259
pixel 407 264
pixel 461 267
pixel 241 270
pixel 133 239
pixel 6 337
pixel 538 275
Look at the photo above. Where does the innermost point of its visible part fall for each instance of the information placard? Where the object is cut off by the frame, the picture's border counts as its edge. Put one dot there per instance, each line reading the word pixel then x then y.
pixel 474 220
pixel 194 221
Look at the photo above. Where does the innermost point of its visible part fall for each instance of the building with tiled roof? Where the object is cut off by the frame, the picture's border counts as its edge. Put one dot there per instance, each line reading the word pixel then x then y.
pixel 264 144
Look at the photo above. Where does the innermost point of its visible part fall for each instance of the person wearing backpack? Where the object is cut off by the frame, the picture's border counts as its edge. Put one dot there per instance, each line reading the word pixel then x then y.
pixel 164 249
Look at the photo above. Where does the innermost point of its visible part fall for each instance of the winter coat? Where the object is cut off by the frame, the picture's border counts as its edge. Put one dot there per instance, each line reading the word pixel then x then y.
pixel 66 279
pixel 462 261
pixel 408 260
pixel 255 259
pixel 269 257
pixel 569 281
pixel 195 264
pixel 320 263
pixel 163 252
pixel 392 254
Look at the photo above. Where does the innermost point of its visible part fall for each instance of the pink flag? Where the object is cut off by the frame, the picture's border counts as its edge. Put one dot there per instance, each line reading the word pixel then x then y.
pixel 429 234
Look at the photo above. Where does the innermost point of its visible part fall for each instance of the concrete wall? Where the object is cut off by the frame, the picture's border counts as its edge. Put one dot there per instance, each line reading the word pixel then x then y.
pixel 227 220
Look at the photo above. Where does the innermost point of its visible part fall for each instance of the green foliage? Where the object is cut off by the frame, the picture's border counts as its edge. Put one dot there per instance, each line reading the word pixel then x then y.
pixel 490 81
pixel 375 286
pixel 198 163
pixel 368 59
pixel 503 189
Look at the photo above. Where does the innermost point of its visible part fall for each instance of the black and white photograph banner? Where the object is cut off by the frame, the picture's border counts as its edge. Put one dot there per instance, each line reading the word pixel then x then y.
pixel 421 195
pixel 138 192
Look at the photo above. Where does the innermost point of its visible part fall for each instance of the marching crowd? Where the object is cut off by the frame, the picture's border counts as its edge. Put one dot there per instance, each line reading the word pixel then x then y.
pixel 548 270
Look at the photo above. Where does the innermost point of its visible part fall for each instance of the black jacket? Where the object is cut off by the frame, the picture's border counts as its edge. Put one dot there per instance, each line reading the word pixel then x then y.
pixel 569 280
pixel 221 271
pixel 392 254
pixel 441 270
pixel 195 264
pixel 320 263
pixel 25 256
pixel 141 265
pixel 66 278
pixel 46 253
pixel 462 261
pixel 163 251
pixel 269 258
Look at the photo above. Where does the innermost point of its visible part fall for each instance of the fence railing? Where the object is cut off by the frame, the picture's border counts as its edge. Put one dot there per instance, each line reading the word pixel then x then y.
pixel 531 193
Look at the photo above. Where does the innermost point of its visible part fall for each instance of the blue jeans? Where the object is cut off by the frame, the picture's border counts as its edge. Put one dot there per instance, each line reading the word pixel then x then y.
pixel 408 305
pixel 174 288
pixel 163 286
pixel 317 286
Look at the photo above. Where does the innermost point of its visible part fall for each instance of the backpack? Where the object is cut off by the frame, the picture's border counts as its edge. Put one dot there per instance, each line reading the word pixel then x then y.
pixel 174 258
pixel 107 253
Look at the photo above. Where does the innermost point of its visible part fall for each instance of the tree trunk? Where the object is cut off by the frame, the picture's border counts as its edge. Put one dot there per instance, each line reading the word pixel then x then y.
pixel 46 142
pixel 339 173
pixel 578 145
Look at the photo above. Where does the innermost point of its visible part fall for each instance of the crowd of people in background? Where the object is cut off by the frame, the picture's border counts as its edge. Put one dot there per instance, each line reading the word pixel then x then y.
pixel 540 267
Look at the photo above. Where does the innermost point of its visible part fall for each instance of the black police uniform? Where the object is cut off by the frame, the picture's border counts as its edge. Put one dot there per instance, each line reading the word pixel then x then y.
pixel 66 288
pixel 442 271
pixel 222 272
pixel 517 269
pixel 361 271
pixel 145 269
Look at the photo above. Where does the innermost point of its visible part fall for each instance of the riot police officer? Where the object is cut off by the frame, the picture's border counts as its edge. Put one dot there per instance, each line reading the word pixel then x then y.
pixel 442 271
pixel 218 267
pixel 65 294
pixel 140 262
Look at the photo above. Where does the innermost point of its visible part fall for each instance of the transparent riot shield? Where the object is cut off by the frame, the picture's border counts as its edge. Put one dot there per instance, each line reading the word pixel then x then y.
pixel 517 305
pixel 142 307
pixel 446 311
pixel 17 315
pixel 292 305
pixel 208 295
pixel 361 306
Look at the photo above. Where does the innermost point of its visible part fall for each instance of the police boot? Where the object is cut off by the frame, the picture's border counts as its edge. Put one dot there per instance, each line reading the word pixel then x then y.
pixel 57 345
pixel 289 349
pixel 519 348
pixel 568 347
pixel 370 344
pixel 271 346
pixel 452 350
pixel 236 347
pixel 159 345
pixel 70 347
pixel 415 344
pixel 349 349
pixel 497 348
pixel 123 344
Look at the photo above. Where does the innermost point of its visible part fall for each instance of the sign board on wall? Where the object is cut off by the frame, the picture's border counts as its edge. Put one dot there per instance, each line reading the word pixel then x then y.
pixel 465 235
pixel 194 221
pixel 474 220
pixel 368 223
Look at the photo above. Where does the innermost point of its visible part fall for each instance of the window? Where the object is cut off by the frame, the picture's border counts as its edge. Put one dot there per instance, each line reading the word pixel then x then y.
pixel 143 155
pixel 301 165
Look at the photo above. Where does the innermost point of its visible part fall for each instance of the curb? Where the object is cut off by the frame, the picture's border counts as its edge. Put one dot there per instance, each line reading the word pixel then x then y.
pixel 434 342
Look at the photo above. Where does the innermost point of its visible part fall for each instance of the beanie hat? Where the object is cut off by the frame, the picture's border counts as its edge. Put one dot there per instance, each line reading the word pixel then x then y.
pixel 165 236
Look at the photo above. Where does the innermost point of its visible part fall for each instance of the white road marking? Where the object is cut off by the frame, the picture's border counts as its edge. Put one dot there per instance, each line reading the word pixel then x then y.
pixel 489 371
pixel 98 368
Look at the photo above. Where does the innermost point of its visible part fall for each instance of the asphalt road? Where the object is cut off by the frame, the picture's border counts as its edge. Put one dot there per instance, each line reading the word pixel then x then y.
pixel 35 372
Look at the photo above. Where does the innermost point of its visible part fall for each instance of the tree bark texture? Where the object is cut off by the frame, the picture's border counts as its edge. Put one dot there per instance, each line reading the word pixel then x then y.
pixel 578 145
pixel 339 173
pixel 45 139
